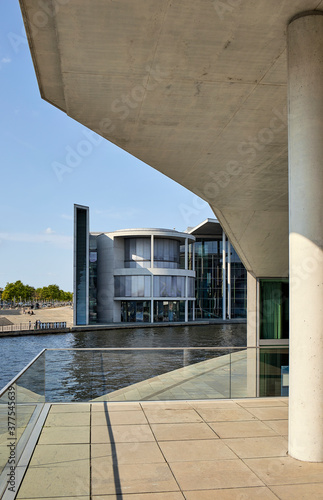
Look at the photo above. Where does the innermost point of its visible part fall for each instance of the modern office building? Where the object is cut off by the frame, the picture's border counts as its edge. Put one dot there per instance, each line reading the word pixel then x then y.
pixel 155 275
pixel 132 275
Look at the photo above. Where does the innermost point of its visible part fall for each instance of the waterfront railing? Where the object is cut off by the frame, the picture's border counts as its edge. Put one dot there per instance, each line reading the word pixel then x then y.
pixel 32 326
pixel 133 374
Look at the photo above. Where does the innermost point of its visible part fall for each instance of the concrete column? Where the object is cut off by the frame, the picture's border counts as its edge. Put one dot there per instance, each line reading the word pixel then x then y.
pixel 152 251
pixel 305 87
pixel 186 253
pixel 186 301
pixel 224 278
pixel 152 308
pixel 152 265
pixel 252 307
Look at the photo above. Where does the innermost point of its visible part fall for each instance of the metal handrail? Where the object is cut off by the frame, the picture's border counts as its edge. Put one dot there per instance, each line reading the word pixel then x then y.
pixel 144 348
pixel 163 348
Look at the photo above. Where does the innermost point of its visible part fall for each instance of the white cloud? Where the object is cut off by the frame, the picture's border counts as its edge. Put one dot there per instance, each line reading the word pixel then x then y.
pixel 57 240
pixel 49 230
pixel 5 60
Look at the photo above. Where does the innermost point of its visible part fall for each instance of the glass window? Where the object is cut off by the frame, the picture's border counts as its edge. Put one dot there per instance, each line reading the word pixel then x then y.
pixel 93 286
pixel 274 309
pixel 208 284
pixel 132 286
pixel 191 287
pixel 190 310
pixel 169 286
pixel 81 266
pixel 166 253
pixel 137 252
pixel 135 311
pixel 169 311
pixel 271 367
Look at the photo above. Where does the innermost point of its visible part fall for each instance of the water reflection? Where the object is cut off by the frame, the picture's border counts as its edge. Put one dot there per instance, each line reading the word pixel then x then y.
pixel 84 375
pixel 17 352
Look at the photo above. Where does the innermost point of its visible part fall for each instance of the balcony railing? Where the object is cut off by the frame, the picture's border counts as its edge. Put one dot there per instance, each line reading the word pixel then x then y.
pixel 134 374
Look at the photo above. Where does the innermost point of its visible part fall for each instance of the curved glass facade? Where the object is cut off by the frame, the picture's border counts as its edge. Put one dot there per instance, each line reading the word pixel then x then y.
pixel 166 253
pixel 169 286
pixel 132 286
pixel 137 252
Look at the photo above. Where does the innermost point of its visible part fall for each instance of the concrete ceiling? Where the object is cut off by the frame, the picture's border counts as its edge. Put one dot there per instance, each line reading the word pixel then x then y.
pixel 195 88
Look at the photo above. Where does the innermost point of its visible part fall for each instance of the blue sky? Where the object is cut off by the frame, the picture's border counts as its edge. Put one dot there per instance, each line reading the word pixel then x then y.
pixel 36 204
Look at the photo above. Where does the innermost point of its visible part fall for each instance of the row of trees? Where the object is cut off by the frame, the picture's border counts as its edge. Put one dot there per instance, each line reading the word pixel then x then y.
pixel 24 293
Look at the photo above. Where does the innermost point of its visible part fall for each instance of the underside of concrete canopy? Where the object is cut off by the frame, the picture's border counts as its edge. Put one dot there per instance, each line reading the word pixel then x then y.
pixel 196 89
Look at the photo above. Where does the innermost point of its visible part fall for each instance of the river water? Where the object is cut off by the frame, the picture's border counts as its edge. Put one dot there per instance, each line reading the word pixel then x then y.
pixel 17 352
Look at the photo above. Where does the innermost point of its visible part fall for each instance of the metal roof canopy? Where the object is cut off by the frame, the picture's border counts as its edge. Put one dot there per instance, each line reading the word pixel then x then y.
pixel 194 88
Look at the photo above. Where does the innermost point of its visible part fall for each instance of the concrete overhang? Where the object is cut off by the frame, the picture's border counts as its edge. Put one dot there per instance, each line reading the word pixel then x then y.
pixel 195 88
pixel 207 229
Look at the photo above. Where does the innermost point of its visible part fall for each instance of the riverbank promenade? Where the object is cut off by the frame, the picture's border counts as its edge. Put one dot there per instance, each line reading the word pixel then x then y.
pixel 210 450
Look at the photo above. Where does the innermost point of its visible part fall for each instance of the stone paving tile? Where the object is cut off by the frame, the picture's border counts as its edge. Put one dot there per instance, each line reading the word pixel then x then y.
pixel 171 416
pixel 271 413
pixel 112 406
pixel 166 405
pixel 257 493
pixel 67 419
pixel 40 482
pixel 121 434
pixel 203 464
pixel 134 478
pixel 279 426
pixel 256 447
pixel 213 475
pixel 127 453
pixel 226 415
pixel 242 429
pixel 301 491
pixel 60 455
pixel 65 435
pixel 70 408
pixel 118 417
pixel 83 497
pixel 175 432
pixel 285 470
pixel 142 496
pixel 262 402
pixel 181 451
pixel 210 404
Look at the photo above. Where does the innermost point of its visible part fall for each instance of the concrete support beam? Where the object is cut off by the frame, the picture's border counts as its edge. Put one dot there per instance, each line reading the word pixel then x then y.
pixel 305 85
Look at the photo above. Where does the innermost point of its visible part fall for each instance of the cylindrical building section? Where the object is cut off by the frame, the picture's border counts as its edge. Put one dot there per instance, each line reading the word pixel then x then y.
pixel 305 95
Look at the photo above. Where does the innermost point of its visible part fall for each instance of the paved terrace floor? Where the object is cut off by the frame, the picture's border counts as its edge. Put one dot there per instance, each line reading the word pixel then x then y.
pixel 214 450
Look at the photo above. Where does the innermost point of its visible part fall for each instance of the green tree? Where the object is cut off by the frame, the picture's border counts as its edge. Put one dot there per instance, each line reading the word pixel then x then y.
pixel 18 291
